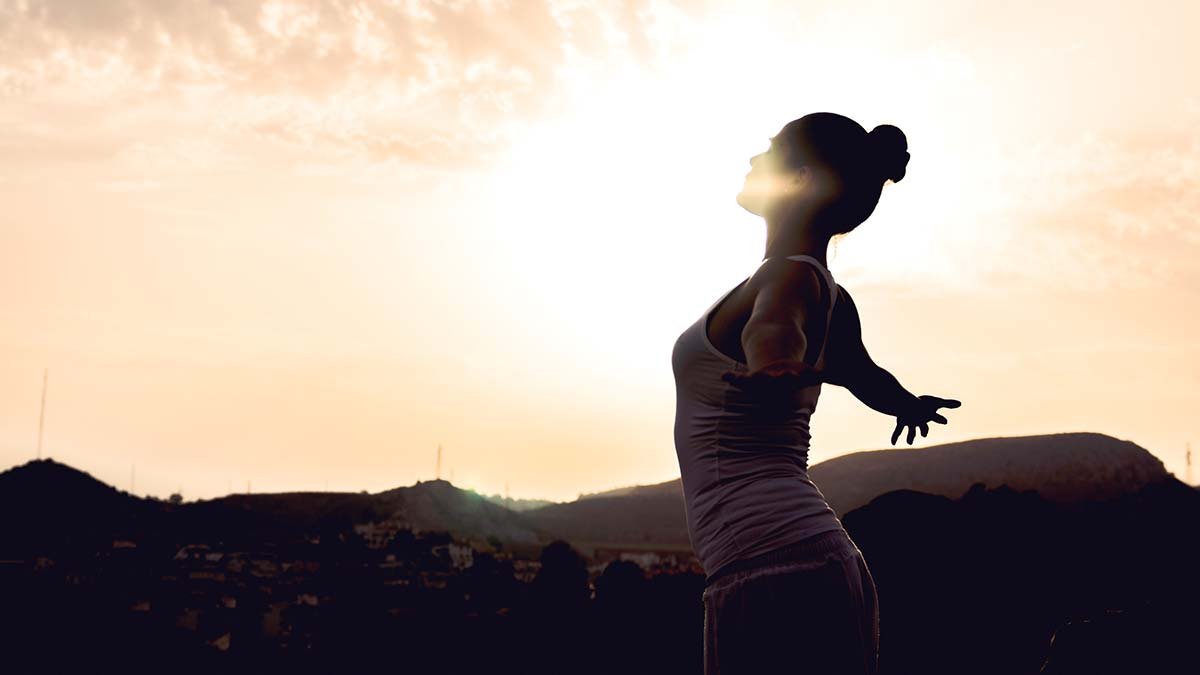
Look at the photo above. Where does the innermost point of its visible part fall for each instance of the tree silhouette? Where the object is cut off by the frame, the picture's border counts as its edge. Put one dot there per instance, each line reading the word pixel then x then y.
pixel 557 610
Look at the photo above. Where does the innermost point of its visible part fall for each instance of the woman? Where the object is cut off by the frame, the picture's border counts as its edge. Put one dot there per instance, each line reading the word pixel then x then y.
pixel 786 589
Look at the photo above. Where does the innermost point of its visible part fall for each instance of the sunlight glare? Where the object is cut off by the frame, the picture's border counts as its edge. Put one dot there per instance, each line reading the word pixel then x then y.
pixel 624 206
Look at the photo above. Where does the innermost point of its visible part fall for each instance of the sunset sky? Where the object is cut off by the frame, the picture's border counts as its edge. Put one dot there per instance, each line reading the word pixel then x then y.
pixel 300 244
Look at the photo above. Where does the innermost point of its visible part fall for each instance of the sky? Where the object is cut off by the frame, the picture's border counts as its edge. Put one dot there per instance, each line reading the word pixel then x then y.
pixel 277 246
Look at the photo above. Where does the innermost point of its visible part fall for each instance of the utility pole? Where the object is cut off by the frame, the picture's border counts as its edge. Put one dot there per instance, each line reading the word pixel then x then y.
pixel 42 415
pixel 1189 463
pixel 439 462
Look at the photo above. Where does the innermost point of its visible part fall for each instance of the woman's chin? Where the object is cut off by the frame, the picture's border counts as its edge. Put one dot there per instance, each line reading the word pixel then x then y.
pixel 749 203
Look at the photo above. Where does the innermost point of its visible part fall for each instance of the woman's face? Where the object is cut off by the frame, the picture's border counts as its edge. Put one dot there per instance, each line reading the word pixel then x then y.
pixel 768 182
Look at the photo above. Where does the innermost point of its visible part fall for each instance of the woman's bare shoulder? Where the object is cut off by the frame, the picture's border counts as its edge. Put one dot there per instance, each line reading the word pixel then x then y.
pixel 798 277
pixel 784 290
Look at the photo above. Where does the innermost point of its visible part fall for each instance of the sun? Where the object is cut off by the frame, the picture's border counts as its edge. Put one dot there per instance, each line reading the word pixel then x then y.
pixel 624 205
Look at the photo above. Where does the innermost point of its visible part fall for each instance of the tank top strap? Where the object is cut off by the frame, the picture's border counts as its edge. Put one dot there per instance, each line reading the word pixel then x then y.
pixel 831 284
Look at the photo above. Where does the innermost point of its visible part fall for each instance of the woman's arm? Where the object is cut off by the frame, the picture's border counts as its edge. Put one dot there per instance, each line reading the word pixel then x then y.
pixel 774 332
pixel 775 344
pixel 847 364
pixel 773 338
pixel 880 390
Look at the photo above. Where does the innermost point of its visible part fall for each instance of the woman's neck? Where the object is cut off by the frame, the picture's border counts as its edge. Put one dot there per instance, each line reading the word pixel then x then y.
pixel 795 238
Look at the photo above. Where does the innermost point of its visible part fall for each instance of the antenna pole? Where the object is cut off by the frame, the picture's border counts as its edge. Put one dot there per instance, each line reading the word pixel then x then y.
pixel 439 462
pixel 42 415
pixel 1189 463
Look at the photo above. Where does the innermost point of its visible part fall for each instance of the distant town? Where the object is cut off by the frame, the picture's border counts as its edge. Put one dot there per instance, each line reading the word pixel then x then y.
pixel 1038 567
pixel 273 593
pixel 268 576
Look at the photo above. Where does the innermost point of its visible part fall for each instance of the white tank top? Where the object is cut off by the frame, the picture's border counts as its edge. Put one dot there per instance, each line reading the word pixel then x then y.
pixel 745 480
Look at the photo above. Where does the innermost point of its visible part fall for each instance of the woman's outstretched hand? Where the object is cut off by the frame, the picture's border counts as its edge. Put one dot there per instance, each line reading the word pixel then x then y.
pixel 924 411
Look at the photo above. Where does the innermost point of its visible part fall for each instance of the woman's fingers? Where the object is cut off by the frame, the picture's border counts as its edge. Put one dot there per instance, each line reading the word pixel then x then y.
pixel 914 423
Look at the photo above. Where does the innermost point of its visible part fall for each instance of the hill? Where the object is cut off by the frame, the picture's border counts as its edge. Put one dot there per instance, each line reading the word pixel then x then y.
pixel 1063 467
pixel 518 505
pixel 433 505
pixel 649 516
pixel 438 505
pixel 666 488
pixel 47 503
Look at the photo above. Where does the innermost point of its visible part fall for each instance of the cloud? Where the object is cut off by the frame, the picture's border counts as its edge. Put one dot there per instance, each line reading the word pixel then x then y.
pixel 438 83
pixel 1102 211
pixel 153 91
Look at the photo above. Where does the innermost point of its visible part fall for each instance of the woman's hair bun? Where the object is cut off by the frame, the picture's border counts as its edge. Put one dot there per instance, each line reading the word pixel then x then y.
pixel 890 149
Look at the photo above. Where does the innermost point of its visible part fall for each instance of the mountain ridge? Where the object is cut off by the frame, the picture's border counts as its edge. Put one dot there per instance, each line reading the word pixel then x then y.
pixel 1063 467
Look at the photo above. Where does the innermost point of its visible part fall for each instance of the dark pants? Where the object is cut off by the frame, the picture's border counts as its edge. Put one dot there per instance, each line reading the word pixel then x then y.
pixel 815 612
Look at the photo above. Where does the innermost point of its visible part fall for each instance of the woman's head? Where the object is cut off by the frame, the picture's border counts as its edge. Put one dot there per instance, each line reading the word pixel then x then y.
pixel 826 167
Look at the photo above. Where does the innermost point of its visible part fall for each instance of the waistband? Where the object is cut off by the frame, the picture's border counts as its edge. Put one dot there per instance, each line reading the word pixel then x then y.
pixel 825 542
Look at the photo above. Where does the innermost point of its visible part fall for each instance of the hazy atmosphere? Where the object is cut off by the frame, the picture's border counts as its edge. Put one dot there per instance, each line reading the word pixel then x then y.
pixel 298 245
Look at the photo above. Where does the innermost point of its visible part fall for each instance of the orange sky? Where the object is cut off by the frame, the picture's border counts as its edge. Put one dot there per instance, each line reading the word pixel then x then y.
pixel 302 243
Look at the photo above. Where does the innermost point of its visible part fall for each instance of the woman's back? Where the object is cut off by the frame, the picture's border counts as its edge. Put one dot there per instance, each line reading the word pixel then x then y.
pixel 744 470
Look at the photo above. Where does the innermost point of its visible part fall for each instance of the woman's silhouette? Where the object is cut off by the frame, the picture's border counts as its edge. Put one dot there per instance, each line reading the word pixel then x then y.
pixel 786 589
